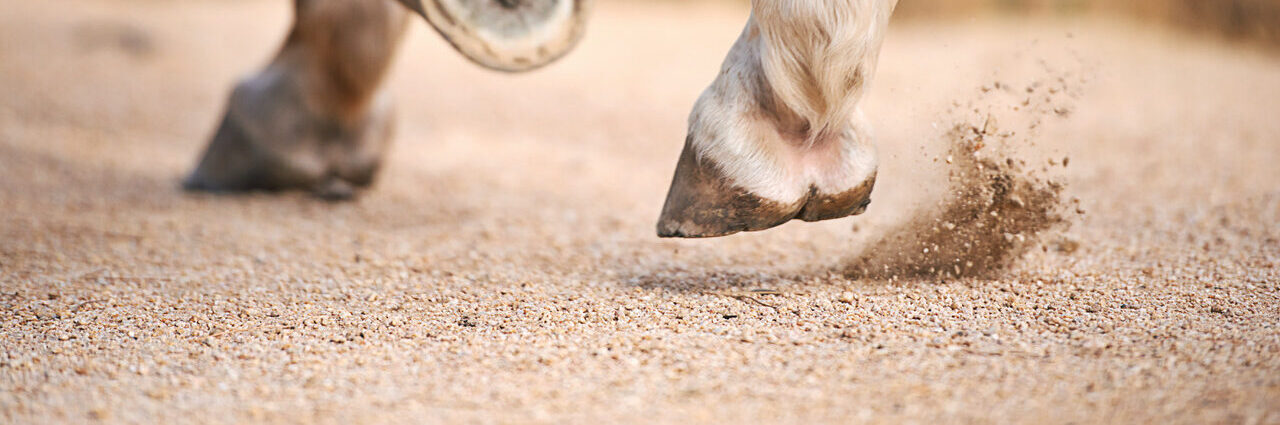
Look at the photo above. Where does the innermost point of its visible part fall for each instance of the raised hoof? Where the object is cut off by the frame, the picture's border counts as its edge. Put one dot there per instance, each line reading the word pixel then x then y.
pixel 703 203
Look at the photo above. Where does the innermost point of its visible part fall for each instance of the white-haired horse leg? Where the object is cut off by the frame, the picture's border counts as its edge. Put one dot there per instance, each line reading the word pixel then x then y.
pixel 778 136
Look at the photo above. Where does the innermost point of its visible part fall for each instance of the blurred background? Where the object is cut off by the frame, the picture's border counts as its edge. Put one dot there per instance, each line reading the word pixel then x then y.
pixel 516 213
pixel 1252 20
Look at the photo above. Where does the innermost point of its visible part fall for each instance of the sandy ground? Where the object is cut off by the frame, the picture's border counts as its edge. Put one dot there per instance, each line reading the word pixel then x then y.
pixel 505 269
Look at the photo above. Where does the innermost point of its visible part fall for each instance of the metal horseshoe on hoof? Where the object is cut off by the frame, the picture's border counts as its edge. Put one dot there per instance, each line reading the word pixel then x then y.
pixel 507 35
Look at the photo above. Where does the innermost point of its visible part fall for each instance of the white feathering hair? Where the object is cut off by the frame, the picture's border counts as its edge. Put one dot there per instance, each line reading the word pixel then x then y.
pixel 817 54
pixel 808 62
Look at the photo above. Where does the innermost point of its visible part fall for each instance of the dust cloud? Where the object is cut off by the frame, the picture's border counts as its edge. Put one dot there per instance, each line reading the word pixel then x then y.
pixel 996 206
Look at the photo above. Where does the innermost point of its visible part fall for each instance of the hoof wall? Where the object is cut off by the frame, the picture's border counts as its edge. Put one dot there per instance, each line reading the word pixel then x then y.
pixel 703 203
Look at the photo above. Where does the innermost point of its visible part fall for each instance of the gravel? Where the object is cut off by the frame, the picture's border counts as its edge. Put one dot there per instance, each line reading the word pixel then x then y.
pixel 505 270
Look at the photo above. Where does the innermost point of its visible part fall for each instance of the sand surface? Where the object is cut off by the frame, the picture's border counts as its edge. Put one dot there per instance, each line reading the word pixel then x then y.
pixel 505 268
